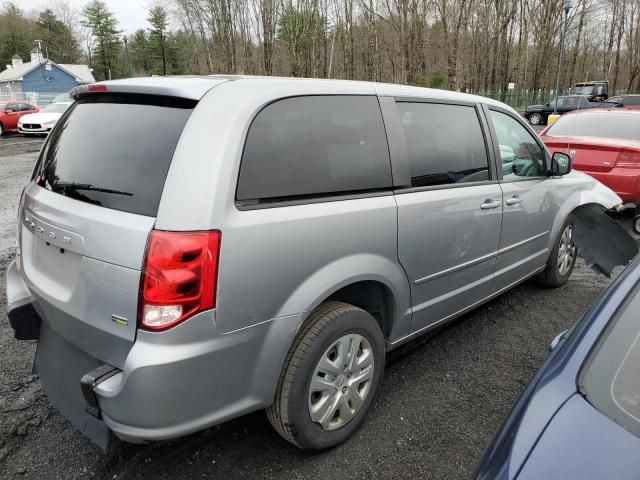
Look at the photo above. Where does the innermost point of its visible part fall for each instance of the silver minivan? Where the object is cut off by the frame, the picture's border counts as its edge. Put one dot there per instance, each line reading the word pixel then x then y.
pixel 192 249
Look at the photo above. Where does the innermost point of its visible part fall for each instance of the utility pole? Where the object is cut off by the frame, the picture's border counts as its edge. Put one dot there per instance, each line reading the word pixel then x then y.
pixel 164 57
pixel 125 54
pixel 568 5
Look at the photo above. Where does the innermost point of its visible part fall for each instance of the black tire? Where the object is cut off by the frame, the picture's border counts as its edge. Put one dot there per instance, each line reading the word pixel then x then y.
pixel 1 130
pixel 536 119
pixel 290 414
pixel 553 276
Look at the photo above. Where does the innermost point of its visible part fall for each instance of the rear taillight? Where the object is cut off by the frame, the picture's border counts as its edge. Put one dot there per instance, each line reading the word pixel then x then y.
pixel 179 277
pixel 628 159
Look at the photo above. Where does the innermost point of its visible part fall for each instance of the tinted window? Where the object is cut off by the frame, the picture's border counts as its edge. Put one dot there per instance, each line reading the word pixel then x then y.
pixel 25 107
pixel 315 145
pixel 120 144
pixel 598 124
pixel 520 154
pixel 444 143
pixel 610 379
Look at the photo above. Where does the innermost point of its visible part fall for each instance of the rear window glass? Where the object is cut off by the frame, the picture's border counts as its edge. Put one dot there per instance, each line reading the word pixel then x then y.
pixel 610 379
pixel 445 144
pixel 597 124
pixel 316 145
pixel 114 150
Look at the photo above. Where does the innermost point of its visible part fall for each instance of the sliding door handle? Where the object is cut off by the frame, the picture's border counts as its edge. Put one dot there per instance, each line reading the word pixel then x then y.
pixel 515 200
pixel 489 204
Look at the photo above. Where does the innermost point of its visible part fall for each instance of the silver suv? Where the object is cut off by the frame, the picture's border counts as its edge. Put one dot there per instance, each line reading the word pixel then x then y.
pixel 193 249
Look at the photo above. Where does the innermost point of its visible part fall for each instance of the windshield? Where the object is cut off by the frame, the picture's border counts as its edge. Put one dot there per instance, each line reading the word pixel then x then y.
pixel 610 378
pixel 114 150
pixel 622 125
pixel 56 108
pixel 63 97
pixel 584 90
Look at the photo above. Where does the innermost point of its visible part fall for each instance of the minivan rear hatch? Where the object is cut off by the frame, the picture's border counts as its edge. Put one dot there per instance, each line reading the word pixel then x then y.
pixel 88 211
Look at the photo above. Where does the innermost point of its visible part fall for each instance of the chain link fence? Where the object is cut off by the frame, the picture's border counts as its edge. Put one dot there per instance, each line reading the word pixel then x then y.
pixel 34 98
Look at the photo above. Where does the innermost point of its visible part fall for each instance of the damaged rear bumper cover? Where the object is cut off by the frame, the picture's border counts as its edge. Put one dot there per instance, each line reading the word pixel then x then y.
pixel 171 384
pixel 67 374
pixel 23 318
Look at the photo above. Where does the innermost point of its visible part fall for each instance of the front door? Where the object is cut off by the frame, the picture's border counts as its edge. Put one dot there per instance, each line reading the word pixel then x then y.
pixel 530 204
pixel 449 218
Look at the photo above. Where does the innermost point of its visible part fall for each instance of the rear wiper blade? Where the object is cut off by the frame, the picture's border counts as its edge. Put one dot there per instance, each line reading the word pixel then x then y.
pixel 88 186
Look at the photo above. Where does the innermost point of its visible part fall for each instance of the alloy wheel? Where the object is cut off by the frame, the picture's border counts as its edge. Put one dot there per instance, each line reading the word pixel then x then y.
pixel 535 119
pixel 566 251
pixel 341 382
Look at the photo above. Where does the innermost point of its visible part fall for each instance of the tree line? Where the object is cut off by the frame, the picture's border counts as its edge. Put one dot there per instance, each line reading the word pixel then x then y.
pixel 468 45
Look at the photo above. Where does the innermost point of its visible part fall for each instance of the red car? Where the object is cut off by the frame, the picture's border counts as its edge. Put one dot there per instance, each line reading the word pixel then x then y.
pixel 10 112
pixel 605 143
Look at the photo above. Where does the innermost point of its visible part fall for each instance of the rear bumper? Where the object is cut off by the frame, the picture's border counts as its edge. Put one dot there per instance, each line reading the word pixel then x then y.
pixel 172 383
pixel 624 181
pixel 189 378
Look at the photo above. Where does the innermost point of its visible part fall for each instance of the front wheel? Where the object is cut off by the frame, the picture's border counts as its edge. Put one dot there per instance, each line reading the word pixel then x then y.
pixel 330 377
pixel 562 258
pixel 536 119
pixel 1 130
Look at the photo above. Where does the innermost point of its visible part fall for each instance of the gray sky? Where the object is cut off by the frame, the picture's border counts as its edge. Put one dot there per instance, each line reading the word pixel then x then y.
pixel 131 14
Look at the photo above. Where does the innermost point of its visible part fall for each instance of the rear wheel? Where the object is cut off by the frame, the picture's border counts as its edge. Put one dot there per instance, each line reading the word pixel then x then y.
pixel 536 119
pixel 330 378
pixel 562 258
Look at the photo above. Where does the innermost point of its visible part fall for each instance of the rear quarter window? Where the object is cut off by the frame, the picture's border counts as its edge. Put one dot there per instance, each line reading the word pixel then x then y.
pixel 114 150
pixel 314 146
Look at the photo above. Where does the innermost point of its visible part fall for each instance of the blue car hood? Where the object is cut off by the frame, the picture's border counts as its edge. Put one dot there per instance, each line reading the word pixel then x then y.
pixel 582 443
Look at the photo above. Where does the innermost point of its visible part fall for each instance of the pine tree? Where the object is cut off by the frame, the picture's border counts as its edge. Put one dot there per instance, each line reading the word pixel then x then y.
pixel 104 27
pixel 60 43
pixel 157 38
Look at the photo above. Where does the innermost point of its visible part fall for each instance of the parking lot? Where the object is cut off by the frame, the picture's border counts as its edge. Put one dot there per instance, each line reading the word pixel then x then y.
pixel 443 397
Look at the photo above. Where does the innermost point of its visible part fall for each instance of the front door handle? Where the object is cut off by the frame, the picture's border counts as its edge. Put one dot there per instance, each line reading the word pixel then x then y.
pixel 489 204
pixel 515 200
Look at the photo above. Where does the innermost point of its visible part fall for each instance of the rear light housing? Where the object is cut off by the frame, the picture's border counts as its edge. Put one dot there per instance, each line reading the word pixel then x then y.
pixel 628 159
pixel 96 87
pixel 179 277
pixel 81 90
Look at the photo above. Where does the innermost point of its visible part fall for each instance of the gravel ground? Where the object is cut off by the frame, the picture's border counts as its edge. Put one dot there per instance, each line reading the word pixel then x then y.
pixel 443 397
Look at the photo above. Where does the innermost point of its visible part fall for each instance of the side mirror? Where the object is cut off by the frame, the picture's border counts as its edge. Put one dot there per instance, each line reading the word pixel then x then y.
pixel 560 164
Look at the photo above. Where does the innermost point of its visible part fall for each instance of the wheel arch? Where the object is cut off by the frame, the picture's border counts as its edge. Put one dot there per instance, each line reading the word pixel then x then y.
pixel 371 282
pixel 595 193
